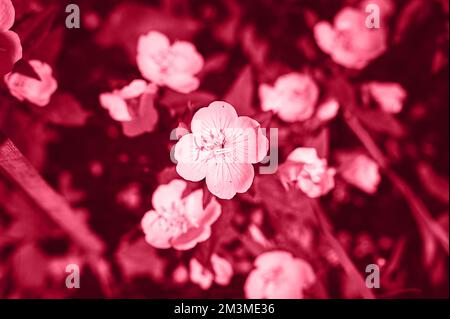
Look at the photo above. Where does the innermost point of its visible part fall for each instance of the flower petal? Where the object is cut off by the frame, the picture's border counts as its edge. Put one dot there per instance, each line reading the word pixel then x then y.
pixel 325 36
pixel 187 59
pixel 7 15
pixel 306 155
pixel 10 51
pixel 194 209
pixel 181 82
pixel 155 235
pixel 218 115
pixel 226 179
pixel 165 195
pixel 192 237
pixel 191 164
pixel 152 43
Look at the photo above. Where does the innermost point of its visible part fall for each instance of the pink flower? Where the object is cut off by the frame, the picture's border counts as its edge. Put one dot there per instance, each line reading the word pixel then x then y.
pixel 349 41
pixel 133 106
pixel 389 96
pixel 222 272
pixel 172 65
pixel 279 275
pixel 177 221
pixel 361 172
pixel 222 148
pixel 308 172
pixel 292 97
pixel 38 92
pixel 10 47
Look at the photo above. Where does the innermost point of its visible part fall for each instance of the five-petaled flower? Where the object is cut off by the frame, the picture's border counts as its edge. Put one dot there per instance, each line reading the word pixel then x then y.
pixel 292 97
pixel 279 275
pixel 10 47
pixel 133 106
pixel 38 92
pixel 221 148
pixel 305 170
pixel 177 221
pixel 349 41
pixel 173 65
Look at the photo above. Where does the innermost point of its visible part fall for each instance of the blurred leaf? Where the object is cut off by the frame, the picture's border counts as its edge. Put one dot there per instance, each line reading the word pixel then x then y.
pixel 34 30
pixel 129 20
pixel 436 185
pixel 146 120
pixel 65 110
pixel 139 259
pixel 381 122
pixel 255 48
pixel 413 13
pixel 320 141
pixel 181 103
pixel 240 95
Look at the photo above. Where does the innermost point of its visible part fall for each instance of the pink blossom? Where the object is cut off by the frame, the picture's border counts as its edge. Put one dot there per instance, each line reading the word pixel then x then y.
pixel 327 110
pixel 38 92
pixel 133 106
pixel 279 275
pixel 389 95
pixel 292 97
pixel 221 148
pixel 349 41
pixel 362 172
pixel 308 172
pixel 221 275
pixel 177 221
pixel 10 47
pixel 172 65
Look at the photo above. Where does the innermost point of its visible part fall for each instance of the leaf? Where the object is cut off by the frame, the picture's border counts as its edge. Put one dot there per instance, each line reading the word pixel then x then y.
pixel 35 29
pixel 413 13
pixel 128 21
pixel 146 120
pixel 186 103
pixel 381 122
pixel 139 259
pixel 207 196
pixel 436 185
pixel 240 95
pixel 320 141
pixel 65 110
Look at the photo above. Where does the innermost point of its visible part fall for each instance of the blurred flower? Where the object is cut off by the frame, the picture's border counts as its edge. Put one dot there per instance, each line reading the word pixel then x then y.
pixel 292 97
pixel 133 105
pixel 279 275
pixel 327 110
pixel 349 41
pixel 35 91
pixel 180 275
pixel 172 65
pixel 223 271
pixel 389 95
pixel 308 172
pixel 222 148
pixel 361 171
pixel 177 221
pixel 11 49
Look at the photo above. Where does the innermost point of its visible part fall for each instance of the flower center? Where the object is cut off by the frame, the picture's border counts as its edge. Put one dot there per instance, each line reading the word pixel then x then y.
pixel 173 220
pixel 213 144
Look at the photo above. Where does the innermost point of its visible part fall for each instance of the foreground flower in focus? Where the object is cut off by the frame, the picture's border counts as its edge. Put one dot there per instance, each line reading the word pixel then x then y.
pixel 292 97
pixel 389 96
pixel 172 65
pixel 222 148
pixel 178 222
pixel 305 170
pixel 10 47
pixel 349 41
pixel 360 171
pixel 223 271
pixel 38 92
pixel 279 275
pixel 133 106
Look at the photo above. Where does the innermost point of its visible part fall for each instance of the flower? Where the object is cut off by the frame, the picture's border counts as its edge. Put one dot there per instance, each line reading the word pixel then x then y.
pixel 172 65
pixel 177 221
pixel 221 148
pixel 279 275
pixel 133 106
pixel 38 92
pixel 10 47
pixel 389 95
pixel 349 41
pixel 292 97
pixel 360 171
pixel 222 272
pixel 308 172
